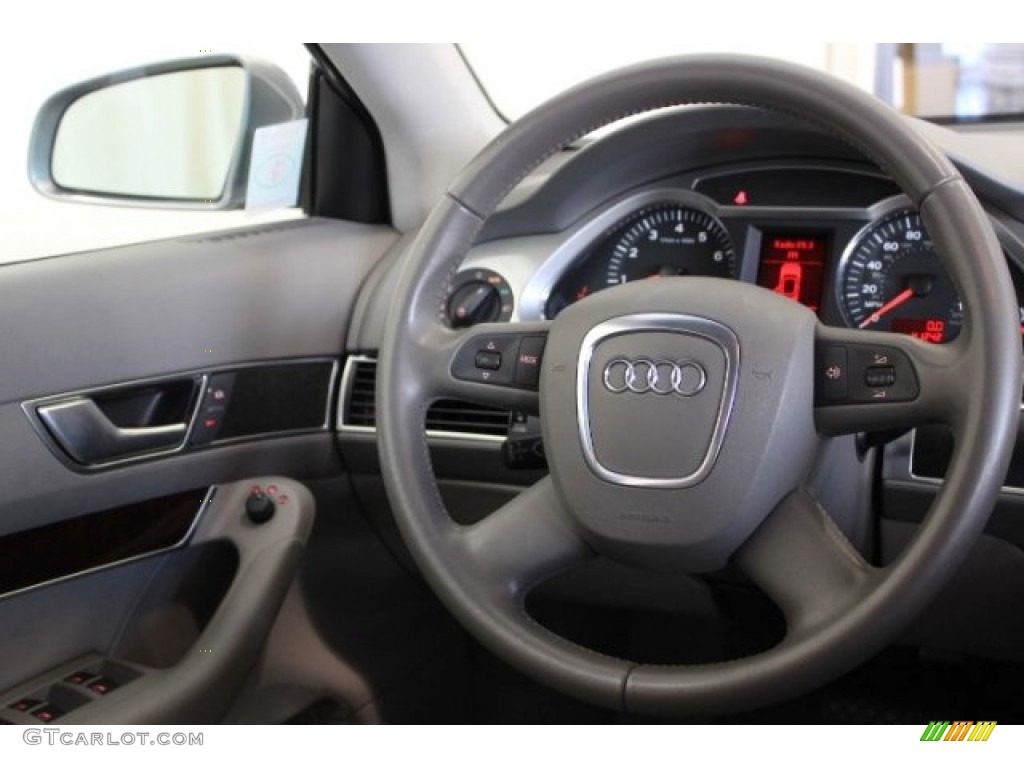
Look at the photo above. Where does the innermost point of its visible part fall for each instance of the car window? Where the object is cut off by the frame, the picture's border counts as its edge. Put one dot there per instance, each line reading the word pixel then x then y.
pixel 946 81
pixel 34 226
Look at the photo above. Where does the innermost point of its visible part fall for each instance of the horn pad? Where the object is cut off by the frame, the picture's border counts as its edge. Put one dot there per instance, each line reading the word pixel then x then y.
pixel 654 397
pixel 677 413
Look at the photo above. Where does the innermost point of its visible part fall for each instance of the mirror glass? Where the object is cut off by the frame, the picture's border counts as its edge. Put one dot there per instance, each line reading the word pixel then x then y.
pixel 167 136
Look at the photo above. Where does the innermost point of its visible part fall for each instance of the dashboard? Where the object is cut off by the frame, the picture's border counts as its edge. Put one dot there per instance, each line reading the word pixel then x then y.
pixel 841 240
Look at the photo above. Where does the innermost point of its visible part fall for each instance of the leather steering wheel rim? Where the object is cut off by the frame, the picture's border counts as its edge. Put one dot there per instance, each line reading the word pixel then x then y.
pixel 838 608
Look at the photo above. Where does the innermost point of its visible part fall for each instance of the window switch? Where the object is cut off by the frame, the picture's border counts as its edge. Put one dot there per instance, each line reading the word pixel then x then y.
pixel 47 713
pixel 102 687
pixel 79 678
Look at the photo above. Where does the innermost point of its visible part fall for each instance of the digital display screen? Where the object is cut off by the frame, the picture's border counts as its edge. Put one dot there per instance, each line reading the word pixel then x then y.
pixel 793 264
pixel 925 328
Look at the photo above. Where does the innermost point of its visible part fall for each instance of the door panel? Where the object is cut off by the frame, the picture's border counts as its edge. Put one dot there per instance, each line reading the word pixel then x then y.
pixel 169 308
pixel 87 320
pixel 177 630
pixel 171 638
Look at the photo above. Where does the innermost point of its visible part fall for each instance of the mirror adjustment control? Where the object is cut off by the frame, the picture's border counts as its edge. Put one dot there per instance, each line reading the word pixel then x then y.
pixel 259 507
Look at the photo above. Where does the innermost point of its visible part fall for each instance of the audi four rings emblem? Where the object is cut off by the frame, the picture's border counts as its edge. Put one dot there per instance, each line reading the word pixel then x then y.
pixel 660 377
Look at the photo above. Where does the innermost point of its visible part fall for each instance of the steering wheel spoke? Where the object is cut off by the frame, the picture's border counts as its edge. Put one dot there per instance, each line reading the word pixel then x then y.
pixel 804 563
pixel 869 381
pixel 525 542
pixel 494 364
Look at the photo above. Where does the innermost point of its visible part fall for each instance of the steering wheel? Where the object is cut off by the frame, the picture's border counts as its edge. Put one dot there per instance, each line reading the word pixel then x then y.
pixel 681 417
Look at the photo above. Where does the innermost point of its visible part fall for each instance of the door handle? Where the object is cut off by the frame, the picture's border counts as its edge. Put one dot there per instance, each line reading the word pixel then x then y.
pixel 89 437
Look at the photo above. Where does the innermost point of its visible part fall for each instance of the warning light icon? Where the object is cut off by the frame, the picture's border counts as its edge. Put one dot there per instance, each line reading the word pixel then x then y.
pixel 741 198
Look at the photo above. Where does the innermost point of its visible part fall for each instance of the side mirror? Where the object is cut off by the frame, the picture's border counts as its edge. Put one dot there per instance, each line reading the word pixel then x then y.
pixel 177 134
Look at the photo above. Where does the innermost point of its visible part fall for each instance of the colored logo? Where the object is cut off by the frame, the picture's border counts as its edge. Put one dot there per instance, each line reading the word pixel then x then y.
pixel 961 730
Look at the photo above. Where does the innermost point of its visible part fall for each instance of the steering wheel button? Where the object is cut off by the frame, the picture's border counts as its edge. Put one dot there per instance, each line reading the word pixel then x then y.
pixel 488 361
pixel 880 376
pixel 833 374
pixel 531 350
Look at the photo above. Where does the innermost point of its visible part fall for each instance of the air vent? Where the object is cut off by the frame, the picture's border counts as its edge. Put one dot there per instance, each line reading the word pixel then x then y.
pixel 360 401
pixel 444 417
pixel 460 416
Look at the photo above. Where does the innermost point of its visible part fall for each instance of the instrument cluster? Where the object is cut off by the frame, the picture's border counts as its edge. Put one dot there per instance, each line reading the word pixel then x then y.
pixel 845 244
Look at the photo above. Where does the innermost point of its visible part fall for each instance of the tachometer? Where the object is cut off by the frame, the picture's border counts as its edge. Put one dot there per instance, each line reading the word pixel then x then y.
pixel 890 279
pixel 662 240
pixel 668 242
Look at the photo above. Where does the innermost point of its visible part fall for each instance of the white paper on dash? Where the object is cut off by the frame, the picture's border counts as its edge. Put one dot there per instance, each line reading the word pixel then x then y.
pixel 275 166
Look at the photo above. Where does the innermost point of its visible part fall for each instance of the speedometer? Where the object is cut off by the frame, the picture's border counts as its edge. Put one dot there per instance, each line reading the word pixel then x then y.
pixel 890 279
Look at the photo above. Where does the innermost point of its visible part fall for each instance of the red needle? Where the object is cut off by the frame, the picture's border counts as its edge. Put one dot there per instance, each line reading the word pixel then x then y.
pixel 888 307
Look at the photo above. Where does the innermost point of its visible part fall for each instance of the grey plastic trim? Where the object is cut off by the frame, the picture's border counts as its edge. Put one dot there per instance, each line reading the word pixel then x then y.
pixel 31 407
pixel 182 542
pixel 686 324
pixel 323 426
pixel 357 429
